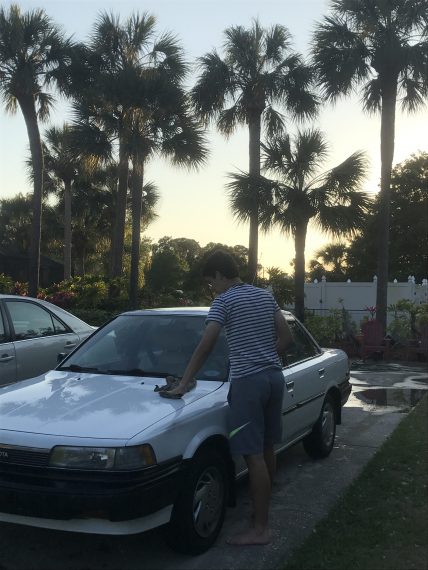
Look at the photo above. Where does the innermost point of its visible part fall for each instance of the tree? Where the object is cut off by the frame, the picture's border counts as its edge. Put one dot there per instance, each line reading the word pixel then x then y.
pixel 408 231
pixel 382 44
pixel 330 261
pixel 32 48
pixel 332 200
pixel 258 72
pixel 15 222
pixel 62 166
pixel 134 93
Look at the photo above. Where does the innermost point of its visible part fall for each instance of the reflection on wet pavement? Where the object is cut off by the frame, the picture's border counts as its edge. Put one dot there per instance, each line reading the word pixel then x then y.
pixel 386 400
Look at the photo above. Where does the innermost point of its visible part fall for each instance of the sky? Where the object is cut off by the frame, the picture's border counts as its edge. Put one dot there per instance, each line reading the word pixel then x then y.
pixel 195 204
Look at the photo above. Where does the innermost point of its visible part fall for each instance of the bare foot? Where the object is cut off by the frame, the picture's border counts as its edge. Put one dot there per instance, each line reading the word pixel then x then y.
pixel 250 537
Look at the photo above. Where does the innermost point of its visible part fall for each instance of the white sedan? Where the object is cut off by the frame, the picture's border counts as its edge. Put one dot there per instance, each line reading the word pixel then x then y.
pixel 91 447
pixel 32 335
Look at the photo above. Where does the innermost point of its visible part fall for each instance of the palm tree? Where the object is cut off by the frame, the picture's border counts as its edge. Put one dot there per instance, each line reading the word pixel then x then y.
pixel 117 60
pixel 332 255
pixel 258 72
pixel 165 127
pixel 383 46
pixel 31 49
pixel 331 201
pixel 62 166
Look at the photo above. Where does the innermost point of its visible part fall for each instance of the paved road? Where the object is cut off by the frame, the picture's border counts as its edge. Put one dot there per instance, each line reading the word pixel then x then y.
pixel 304 492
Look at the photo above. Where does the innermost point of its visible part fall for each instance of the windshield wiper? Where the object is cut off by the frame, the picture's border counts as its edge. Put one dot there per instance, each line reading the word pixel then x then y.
pixel 78 368
pixel 139 372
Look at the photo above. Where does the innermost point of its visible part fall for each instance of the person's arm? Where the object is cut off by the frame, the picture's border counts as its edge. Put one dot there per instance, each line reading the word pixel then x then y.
pixel 200 354
pixel 283 333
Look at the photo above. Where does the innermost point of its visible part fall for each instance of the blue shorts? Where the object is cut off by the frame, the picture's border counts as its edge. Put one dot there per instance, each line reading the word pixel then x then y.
pixel 255 411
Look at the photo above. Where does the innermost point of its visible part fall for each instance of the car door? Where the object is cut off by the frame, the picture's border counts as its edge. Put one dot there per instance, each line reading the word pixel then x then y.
pixel 39 336
pixel 7 354
pixel 304 374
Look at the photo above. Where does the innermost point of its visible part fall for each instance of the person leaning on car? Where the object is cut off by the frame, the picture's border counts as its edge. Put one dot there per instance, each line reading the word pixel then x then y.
pixel 257 333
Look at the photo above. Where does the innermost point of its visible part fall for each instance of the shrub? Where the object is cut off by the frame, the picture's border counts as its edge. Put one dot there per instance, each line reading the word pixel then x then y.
pixel 6 284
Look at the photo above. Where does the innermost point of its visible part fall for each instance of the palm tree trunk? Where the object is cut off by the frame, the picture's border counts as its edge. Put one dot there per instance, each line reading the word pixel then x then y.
pixel 254 127
pixel 387 139
pixel 30 116
pixel 299 270
pixel 119 220
pixel 137 198
pixel 67 229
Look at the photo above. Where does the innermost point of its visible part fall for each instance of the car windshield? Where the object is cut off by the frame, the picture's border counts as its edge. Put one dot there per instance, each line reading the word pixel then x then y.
pixel 149 345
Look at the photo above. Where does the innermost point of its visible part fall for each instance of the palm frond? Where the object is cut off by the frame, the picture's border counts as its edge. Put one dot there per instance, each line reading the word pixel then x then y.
pixel 342 181
pixel 274 122
pixel 372 96
pixel 277 42
pixel 210 91
pixel 340 57
pixel 228 120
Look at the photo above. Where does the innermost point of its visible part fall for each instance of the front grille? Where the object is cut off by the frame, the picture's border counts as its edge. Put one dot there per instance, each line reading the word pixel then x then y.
pixel 23 456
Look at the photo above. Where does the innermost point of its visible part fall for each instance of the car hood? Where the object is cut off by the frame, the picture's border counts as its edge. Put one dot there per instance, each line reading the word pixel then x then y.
pixel 89 405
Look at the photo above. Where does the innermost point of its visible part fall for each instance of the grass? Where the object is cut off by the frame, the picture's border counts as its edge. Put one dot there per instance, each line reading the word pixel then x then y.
pixel 381 522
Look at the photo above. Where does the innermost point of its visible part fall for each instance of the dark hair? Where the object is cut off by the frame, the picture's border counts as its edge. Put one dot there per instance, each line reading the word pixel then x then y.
pixel 222 262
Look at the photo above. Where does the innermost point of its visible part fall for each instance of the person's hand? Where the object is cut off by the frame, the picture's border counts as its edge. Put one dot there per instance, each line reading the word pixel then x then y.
pixel 175 393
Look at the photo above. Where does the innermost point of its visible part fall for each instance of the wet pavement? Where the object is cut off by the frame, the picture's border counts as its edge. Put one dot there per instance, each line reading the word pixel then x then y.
pixel 304 492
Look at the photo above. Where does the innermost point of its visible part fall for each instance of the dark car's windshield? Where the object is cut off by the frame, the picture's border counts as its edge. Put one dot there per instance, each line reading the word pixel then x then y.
pixel 144 345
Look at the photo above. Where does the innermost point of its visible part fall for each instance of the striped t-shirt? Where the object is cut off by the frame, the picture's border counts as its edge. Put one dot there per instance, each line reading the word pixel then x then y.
pixel 247 314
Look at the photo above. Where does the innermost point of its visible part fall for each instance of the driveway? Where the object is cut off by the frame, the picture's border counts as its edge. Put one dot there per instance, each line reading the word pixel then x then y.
pixel 303 493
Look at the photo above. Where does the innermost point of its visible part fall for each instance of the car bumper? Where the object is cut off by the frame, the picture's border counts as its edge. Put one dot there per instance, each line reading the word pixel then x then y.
pixel 56 498
pixel 345 391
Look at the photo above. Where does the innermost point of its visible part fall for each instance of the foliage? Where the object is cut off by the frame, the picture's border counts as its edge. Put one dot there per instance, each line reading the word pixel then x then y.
pixel 408 230
pixel 409 220
pixel 326 329
pixel 6 284
pixel 381 46
pixel 89 292
pixel 280 284
pixel 330 262
pixel 257 73
pixel 299 195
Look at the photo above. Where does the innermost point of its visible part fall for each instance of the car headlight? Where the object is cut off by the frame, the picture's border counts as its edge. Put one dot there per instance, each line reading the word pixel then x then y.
pixel 98 458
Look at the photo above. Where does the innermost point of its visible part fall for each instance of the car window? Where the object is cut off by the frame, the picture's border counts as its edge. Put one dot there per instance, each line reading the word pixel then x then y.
pixel 2 330
pixel 60 328
pixel 157 344
pixel 302 348
pixel 29 320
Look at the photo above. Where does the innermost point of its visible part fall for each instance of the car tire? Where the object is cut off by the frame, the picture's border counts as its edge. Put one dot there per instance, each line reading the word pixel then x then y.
pixel 319 443
pixel 199 511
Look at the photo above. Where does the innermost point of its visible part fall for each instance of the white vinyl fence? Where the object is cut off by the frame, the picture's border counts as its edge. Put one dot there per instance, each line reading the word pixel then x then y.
pixel 321 296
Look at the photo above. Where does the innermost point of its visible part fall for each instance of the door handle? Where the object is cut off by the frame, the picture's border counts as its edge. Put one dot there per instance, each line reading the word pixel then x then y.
pixel 70 344
pixel 6 358
pixel 321 372
pixel 290 385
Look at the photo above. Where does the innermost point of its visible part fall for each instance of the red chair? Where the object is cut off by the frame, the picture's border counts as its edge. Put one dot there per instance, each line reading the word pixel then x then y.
pixel 374 340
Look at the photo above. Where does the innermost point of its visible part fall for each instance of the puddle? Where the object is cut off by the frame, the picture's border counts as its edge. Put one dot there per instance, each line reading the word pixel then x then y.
pixel 387 400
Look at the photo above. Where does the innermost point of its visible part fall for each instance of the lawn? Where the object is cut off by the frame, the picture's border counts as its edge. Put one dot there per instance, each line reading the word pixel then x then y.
pixel 382 520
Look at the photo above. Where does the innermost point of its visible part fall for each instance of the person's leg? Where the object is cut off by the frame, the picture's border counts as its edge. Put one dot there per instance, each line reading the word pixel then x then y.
pixel 260 486
pixel 270 460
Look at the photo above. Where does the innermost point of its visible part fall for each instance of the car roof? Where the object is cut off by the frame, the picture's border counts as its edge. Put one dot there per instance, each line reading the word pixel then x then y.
pixel 188 311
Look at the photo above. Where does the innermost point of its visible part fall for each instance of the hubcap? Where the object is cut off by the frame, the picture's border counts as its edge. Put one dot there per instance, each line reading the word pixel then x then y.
pixel 208 501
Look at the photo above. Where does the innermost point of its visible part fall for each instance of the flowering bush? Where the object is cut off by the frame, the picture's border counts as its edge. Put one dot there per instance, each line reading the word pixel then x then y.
pixel 372 311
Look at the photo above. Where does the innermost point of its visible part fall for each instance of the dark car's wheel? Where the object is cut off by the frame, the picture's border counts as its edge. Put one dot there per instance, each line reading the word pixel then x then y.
pixel 320 441
pixel 199 511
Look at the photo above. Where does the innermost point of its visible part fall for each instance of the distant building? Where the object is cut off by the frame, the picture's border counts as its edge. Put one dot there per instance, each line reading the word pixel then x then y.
pixel 15 265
